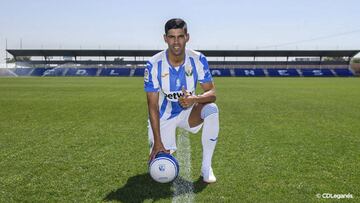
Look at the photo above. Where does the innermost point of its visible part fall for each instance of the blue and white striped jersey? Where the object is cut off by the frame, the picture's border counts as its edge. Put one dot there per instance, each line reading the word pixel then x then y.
pixel 160 76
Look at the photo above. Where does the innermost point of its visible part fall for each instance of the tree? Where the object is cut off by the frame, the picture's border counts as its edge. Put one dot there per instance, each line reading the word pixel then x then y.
pixel 332 58
pixel 9 60
pixel 355 60
pixel 118 59
pixel 19 58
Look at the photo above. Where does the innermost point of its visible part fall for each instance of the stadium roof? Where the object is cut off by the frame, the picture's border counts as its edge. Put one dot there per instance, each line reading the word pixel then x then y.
pixel 209 53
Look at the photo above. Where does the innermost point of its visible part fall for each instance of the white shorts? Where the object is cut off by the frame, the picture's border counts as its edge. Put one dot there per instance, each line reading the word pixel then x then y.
pixel 168 129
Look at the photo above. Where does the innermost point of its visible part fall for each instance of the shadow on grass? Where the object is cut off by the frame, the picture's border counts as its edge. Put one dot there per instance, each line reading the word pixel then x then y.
pixel 141 187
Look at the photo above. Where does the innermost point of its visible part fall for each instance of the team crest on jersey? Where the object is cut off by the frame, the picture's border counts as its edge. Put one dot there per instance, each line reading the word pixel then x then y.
pixel 146 75
pixel 188 71
pixel 178 82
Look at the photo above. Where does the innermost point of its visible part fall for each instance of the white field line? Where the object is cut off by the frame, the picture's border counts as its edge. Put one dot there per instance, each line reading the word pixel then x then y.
pixel 183 186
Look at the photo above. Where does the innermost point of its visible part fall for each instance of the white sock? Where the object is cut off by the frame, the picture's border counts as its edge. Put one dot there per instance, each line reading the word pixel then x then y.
pixel 210 131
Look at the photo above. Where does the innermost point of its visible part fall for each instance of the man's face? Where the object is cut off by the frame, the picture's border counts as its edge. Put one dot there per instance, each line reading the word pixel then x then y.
pixel 176 40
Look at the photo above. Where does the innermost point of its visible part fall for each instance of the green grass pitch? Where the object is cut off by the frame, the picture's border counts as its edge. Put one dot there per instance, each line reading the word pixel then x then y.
pixel 84 140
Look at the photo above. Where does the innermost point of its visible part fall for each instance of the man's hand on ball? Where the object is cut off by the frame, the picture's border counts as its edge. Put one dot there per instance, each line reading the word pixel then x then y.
pixel 156 149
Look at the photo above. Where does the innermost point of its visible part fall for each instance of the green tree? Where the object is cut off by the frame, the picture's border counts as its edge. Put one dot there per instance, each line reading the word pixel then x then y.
pixel 355 60
pixel 332 58
pixel 118 59
pixel 19 58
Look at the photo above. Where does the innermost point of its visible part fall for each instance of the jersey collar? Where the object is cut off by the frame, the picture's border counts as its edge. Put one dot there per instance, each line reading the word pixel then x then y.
pixel 167 60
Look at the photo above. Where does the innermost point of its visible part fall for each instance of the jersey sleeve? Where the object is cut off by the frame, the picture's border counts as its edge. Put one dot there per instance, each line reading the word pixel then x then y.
pixel 151 83
pixel 206 75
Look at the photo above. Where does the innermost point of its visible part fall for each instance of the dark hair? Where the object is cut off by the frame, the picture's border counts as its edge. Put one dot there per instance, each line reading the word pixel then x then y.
pixel 175 23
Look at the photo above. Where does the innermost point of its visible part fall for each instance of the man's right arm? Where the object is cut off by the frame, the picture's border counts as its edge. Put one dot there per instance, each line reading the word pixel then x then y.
pixel 153 107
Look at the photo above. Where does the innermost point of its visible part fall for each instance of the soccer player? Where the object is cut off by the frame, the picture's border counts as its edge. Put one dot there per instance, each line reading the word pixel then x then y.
pixel 170 80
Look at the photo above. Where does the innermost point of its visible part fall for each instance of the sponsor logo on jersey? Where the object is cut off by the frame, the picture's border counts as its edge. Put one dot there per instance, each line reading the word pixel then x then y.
pixel 174 96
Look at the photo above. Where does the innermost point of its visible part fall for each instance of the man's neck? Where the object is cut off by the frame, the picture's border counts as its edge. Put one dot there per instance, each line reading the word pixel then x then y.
pixel 176 60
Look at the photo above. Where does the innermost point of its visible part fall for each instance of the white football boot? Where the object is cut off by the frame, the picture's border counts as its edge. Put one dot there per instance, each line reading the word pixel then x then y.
pixel 208 176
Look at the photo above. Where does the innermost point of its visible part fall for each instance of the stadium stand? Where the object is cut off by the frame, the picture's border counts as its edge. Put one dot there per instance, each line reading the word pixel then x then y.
pixel 139 72
pixel 343 72
pixel 280 72
pixel 306 63
pixel 53 72
pixel 23 71
pixel 242 72
pixel 7 72
pixel 81 72
pixel 220 72
pixel 317 72
pixel 41 72
pixel 116 72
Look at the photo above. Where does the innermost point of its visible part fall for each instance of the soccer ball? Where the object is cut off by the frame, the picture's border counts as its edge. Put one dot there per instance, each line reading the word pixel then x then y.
pixel 164 168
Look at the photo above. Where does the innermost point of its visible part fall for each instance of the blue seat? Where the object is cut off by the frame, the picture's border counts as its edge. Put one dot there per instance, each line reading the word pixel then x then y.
pixel 283 72
pixel 139 72
pixel 39 71
pixel 313 72
pixel 23 71
pixel 115 72
pixel 81 72
pixel 255 72
pixel 343 72
pixel 220 72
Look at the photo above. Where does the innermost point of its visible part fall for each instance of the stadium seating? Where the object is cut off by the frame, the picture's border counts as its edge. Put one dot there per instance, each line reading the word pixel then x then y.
pixel 289 72
pixel 82 72
pixel 216 72
pixel 115 72
pixel 139 72
pixel 316 72
pixel 256 72
pixel 39 71
pixel 54 72
pixel 343 72
pixel 7 72
pixel 23 71
pixel 220 72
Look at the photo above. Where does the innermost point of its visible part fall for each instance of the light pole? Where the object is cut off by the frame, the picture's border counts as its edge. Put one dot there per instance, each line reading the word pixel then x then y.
pixel 6 55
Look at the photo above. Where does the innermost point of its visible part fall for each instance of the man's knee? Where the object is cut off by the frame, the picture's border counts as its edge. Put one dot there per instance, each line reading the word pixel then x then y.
pixel 208 110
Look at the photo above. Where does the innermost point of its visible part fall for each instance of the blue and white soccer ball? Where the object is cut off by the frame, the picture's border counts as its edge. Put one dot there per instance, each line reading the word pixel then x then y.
pixel 164 168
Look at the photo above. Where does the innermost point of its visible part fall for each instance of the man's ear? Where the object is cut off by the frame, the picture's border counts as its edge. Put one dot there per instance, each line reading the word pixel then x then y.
pixel 165 39
pixel 187 37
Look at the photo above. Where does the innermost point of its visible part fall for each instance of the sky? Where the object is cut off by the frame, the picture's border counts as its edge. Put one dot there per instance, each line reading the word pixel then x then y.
pixel 136 24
